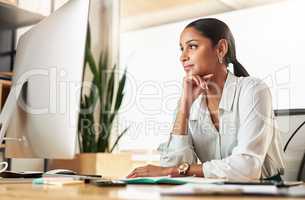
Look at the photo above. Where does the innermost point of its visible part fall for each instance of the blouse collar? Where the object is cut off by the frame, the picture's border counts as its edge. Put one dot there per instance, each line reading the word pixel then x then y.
pixel 228 92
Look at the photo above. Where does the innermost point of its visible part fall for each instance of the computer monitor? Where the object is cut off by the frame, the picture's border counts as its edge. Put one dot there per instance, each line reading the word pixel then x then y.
pixel 41 111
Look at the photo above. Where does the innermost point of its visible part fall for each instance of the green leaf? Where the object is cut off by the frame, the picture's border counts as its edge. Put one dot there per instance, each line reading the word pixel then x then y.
pixel 103 139
pixel 92 66
pixel 118 139
pixel 120 93
pixel 111 117
pixel 88 39
pixel 110 90
pixel 103 79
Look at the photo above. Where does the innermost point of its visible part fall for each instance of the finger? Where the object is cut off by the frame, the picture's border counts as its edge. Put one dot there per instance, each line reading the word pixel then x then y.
pixel 132 172
pixel 142 171
pixel 138 174
pixel 202 83
pixel 133 175
pixel 207 77
pixel 196 80
pixel 130 175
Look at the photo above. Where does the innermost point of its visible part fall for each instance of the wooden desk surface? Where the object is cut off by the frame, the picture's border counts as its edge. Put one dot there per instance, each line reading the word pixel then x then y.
pixel 85 191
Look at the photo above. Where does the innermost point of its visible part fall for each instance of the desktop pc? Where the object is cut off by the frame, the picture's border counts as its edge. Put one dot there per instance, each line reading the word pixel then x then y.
pixel 40 116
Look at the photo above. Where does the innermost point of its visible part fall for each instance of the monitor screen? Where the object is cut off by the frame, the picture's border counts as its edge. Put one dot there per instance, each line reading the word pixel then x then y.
pixel 41 112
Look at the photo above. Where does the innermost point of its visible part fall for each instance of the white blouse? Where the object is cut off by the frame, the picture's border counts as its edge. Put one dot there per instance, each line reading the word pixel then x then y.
pixel 247 145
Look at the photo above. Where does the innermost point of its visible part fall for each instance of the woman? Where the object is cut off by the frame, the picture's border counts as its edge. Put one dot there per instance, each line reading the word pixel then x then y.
pixel 225 120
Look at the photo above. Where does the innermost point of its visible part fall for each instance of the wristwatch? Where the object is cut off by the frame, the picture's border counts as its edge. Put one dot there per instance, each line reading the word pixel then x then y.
pixel 183 168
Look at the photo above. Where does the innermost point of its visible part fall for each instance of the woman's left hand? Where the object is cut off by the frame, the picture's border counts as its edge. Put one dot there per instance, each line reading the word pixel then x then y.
pixel 150 171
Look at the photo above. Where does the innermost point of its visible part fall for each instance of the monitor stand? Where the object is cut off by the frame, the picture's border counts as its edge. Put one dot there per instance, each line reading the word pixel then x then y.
pixel 9 108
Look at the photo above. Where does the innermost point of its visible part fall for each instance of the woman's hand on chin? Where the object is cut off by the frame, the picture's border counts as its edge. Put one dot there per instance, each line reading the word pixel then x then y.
pixel 152 171
pixel 193 86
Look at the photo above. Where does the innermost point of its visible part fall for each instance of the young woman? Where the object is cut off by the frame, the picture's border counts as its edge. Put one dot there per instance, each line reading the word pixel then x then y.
pixel 225 120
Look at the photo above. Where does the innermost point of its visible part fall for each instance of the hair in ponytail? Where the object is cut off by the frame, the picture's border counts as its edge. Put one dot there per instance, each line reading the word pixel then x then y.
pixel 216 30
pixel 239 70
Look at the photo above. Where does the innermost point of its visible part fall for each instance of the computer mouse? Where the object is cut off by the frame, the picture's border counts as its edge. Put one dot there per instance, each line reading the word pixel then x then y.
pixel 61 171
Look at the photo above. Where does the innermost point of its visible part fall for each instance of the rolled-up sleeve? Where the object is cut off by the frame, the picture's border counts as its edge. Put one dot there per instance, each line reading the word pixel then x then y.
pixel 178 149
pixel 253 138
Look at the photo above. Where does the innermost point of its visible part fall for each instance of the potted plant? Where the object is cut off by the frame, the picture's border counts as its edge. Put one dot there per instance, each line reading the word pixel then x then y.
pixel 99 107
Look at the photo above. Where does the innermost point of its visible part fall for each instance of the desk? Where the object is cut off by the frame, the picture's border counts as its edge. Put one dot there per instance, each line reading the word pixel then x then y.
pixel 28 191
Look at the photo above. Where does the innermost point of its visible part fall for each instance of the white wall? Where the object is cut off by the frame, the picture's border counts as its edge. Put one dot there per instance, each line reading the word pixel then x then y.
pixel 269 42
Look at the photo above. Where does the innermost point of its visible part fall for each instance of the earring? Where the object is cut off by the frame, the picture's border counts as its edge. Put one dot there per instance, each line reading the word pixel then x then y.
pixel 220 60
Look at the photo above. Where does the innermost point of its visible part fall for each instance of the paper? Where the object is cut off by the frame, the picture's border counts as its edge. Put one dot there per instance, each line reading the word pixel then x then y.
pixel 199 189
pixel 258 189
pixel 208 189
pixel 297 191
pixel 171 180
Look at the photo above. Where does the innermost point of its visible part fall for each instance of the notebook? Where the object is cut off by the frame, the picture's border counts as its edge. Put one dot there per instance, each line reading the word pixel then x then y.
pixel 171 180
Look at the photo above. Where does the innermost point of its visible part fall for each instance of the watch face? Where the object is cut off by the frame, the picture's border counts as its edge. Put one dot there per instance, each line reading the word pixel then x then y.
pixel 183 168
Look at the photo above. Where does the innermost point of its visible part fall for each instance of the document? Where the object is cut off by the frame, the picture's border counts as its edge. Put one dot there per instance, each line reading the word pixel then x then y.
pixel 198 189
pixel 208 189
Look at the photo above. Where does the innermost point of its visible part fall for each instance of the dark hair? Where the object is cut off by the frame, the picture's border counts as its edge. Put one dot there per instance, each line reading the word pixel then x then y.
pixel 216 30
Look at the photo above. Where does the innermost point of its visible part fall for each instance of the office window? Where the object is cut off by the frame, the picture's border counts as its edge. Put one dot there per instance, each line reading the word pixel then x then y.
pixel 269 41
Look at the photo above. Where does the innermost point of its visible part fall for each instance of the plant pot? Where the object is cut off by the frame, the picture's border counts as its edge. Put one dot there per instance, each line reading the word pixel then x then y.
pixel 112 165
